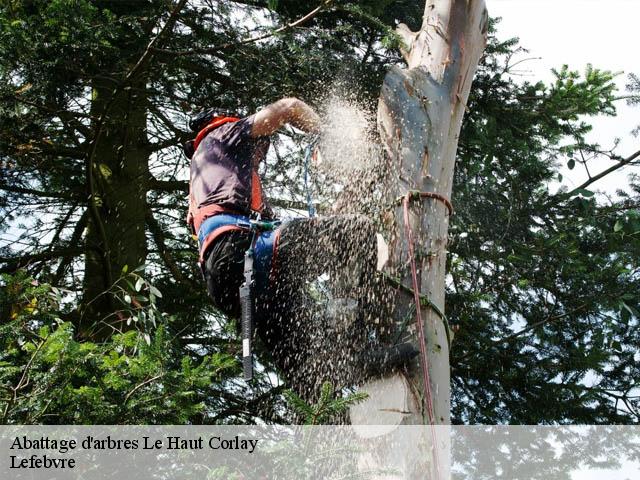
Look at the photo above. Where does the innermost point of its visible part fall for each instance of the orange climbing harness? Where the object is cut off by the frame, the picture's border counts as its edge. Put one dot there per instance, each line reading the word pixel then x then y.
pixel 428 399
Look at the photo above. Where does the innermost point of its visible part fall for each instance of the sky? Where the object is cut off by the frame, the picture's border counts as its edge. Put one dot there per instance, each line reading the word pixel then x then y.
pixel 577 32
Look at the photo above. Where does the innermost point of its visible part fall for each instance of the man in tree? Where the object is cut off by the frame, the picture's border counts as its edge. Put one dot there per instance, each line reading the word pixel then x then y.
pixel 225 188
pixel 226 195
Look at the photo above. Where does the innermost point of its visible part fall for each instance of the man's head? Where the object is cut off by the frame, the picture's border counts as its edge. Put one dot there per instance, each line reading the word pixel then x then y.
pixel 201 119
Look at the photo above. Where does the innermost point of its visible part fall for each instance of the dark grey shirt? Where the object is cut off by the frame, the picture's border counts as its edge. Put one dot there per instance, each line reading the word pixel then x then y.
pixel 221 167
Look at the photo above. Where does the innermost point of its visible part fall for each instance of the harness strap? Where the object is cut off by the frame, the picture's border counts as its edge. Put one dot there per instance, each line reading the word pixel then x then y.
pixel 265 243
pixel 215 123
pixel 307 160
pixel 257 203
pixel 214 226
pixel 197 216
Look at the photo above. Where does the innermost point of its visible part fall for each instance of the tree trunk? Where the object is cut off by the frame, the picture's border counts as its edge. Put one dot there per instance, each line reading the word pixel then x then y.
pixel 120 172
pixel 420 115
pixel 419 118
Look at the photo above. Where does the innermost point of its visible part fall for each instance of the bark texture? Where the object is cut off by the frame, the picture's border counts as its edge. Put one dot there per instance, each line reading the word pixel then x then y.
pixel 119 180
pixel 420 114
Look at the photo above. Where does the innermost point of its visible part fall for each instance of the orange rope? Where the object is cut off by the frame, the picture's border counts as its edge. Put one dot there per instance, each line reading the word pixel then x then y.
pixel 417 195
pixel 428 398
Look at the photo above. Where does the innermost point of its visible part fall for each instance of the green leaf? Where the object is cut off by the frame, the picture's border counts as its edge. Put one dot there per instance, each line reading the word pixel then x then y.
pixel 618 226
pixel 625 316
pixel 571 164
pixel 139 284
pixel 584 192
pixel 630 309
pixel 25 88
pixel 105 171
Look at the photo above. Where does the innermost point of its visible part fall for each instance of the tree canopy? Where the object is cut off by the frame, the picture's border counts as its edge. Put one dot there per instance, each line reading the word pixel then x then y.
pixel 103 308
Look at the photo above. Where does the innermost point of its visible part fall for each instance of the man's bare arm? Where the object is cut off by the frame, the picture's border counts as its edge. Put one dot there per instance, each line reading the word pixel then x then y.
pixel 287 110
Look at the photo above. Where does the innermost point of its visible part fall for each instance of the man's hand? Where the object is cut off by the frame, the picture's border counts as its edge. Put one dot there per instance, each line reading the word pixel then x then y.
pixel 287 110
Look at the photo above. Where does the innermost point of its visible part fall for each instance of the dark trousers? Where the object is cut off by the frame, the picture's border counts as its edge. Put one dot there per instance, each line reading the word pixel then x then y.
pixel 319 263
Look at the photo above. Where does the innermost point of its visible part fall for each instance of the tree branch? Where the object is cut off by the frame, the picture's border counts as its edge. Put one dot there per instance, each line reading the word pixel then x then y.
pixel 224 46
pixel 140 385
pixel 149 51
pixel 74 240
pixel 158 238
pixel 38 193
pixel 166 143
pixel 13 263
pixel 65 115
pixel 620 164
pixel 533 326
pixel 168 186
pixel 167 122
pixel 58 232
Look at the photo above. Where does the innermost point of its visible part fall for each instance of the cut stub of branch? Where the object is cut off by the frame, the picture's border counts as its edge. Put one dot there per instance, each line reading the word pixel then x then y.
pixel 408 37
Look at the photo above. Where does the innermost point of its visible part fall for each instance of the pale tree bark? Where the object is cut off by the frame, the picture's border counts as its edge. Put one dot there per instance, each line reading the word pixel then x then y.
pixel 420 114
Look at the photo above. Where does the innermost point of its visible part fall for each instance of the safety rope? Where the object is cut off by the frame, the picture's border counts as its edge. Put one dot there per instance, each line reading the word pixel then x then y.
pixel 428 398
pixel 307 160
pixel 414 195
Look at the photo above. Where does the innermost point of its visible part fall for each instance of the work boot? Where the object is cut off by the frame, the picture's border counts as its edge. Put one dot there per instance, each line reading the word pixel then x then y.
pixel 387 359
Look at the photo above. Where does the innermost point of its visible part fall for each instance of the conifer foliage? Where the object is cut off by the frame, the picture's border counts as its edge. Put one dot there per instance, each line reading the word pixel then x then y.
pixel 104 315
